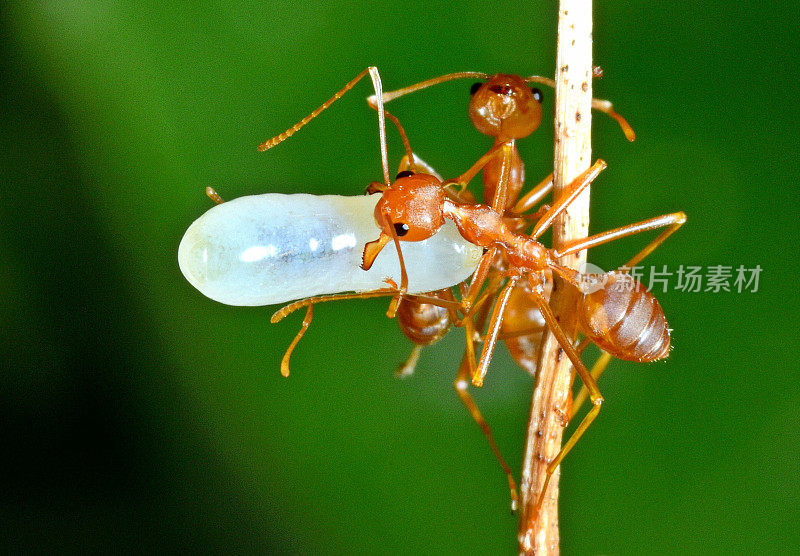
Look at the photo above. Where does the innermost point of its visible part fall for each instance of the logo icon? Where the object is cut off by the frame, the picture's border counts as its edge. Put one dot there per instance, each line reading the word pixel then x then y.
pixel 592 278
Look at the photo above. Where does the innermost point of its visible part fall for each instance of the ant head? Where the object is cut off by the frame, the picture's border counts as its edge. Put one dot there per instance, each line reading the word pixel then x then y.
pixel 410 210
pixel 504 107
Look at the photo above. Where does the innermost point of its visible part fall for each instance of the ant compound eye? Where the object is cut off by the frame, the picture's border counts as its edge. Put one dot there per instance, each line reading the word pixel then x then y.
pixel 404 174
pixel 537 94
pixel 475 87
pixel 401 229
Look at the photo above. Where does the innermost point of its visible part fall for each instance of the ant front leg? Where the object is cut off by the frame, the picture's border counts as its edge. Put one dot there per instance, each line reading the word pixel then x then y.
pixel 574 189
pixel 303 327
pixel 309 302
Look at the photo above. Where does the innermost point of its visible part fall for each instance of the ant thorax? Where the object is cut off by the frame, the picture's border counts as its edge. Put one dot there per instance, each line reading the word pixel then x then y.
pixel 483 226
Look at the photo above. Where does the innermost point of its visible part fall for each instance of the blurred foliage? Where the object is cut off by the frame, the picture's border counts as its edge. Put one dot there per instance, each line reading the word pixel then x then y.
pixel 138 414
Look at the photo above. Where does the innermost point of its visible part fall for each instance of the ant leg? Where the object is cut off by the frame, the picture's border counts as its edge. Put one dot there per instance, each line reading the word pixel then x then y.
pixel 407 367
pixel 284 312
pixel 309 303
pixel 287 310
pixel 674 221
pixel 582 345
pixel 517 223
pixel 461 385
pixel 392 311
pixel 496 150
pixel 376 83
pixel 504 180
pixel 469 350
pixel 492 335
pixel 597 370
pixel 650 247
pixel 478 278
pixel 290 349
pixel 532 197
pixel 498 204
pixel 574 189
pixel 475 320
pixel 488 294
pixel 586 377
pixel 214 196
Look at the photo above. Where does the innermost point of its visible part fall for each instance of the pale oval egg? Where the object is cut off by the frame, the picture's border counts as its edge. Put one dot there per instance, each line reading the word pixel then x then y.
pixel 275 248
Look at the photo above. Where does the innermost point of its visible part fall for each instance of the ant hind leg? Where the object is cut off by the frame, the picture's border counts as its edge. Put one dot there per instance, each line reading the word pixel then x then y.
pixel 461 385
pixel 594 392
pixel 408 366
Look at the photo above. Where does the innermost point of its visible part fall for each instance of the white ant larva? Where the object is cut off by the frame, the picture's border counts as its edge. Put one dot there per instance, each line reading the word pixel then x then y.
pixel 273 248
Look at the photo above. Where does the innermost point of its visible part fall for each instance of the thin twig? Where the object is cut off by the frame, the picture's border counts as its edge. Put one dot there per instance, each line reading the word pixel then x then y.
pixel 538 532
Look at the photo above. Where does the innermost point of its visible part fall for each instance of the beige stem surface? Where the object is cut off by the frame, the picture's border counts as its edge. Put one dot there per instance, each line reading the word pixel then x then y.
pixel 538 533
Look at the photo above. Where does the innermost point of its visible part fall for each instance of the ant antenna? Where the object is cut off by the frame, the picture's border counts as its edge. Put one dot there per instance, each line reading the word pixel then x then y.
pixel 429 83
pixel 376 83
pixel 600 105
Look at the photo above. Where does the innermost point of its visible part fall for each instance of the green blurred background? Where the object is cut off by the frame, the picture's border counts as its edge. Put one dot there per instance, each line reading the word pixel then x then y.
pixel 138 414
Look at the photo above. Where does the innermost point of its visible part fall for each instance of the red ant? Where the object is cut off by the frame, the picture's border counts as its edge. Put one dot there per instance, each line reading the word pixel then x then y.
pixel 425 318
pixel 506 108
pixel 626 322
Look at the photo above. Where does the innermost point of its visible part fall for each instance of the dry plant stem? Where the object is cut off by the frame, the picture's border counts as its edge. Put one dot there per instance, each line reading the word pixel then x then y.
pixel 538 532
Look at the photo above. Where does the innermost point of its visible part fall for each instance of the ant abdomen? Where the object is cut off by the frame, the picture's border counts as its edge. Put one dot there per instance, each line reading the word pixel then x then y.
pixel 422 323
pixel 625 319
